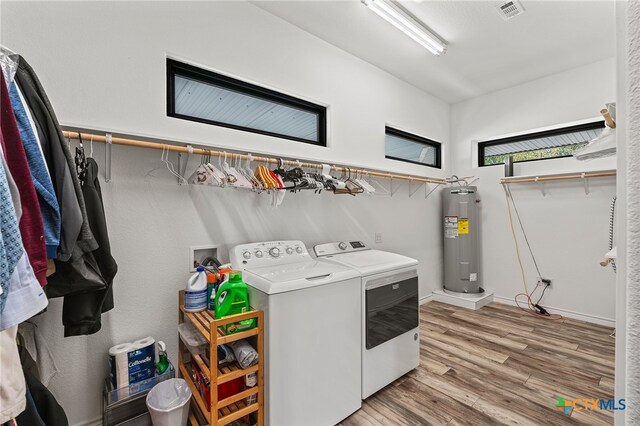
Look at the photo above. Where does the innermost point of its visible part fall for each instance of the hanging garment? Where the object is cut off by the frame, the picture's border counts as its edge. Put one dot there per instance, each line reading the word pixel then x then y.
pixel 30 415
pixel 35 354
pixel 13 188
pixel 12 383
pixel 11 248
pixel 48 408
pixel 74 226
pixel 49 209
pixel 81 313
pixel 31 229
pixel 25 297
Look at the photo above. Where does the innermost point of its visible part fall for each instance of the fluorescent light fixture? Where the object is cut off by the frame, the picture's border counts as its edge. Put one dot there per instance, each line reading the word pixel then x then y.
pixel 397 17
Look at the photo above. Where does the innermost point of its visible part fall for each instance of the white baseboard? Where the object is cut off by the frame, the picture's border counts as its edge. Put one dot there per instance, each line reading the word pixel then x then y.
pixel 594 319
pixel 96 421
pixel 425 299
pixel 463 302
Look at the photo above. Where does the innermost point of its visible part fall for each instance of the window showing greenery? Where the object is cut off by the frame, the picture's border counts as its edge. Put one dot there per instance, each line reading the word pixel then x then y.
pixel 556 143
pixel 411 148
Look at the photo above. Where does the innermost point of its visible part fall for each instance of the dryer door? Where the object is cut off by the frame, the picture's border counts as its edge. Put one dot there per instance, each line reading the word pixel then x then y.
pixel 391 305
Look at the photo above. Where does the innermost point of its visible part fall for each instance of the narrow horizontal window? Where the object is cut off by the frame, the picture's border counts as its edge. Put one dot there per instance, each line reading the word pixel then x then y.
pixel 556 143
pixel 415 149
pixel 207 97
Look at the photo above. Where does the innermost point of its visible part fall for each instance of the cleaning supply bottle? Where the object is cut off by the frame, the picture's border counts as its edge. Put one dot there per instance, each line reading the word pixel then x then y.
pixel 232 298
pixel 212 280
pixel 222 277
pixel 195 295
pixel 163 363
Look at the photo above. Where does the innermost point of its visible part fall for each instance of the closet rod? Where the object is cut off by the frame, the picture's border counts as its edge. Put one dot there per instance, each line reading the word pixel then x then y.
pixel 507 181
pixel 86 137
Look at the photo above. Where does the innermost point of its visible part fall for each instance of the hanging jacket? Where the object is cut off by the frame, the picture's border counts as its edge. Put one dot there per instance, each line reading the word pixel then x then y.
pixel 49 209
pixel 74 225
pixel 81 313
pixel 31 229
pixel 45 404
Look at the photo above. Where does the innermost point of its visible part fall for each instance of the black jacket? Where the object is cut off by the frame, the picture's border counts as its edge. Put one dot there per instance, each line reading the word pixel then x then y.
pixel 75 228
pixel 42 405
pixel 81 312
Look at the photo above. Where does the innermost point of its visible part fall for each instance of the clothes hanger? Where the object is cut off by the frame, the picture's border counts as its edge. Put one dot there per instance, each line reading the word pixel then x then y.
pixel 164 157
pixel 356 188
pixel 9 61
pixel 243 182
pixel 351 187
pixel 201 174
pixel 257 186
pixel 366 184
pixel 220 177
pixel 80 160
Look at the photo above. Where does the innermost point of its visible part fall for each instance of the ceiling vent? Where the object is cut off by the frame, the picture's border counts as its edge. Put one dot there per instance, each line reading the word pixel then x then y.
pixel 510 9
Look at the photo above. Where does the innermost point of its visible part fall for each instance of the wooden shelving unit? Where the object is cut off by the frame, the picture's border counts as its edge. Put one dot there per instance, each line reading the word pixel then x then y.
pixel 233 407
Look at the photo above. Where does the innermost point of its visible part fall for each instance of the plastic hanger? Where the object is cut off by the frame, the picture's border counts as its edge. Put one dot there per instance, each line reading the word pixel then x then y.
pixel 9 61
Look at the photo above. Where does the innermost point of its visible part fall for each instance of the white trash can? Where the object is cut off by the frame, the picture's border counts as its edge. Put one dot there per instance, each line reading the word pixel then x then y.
pixel 168 403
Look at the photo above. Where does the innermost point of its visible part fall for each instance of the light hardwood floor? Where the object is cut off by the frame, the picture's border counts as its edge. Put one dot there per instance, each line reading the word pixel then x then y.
pixel 497 365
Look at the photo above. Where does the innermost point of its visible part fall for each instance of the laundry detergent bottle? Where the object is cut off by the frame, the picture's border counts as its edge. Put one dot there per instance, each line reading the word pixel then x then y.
pixel 232 298
pixel 195 295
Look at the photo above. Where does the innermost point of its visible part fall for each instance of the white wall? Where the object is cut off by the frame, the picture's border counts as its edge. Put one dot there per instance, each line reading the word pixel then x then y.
pixel 628 342
pixel 622 87
pixel 568 230
pixel 103 65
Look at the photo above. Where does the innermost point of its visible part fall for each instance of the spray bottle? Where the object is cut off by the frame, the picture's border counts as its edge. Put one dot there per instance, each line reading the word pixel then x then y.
pixel 163 363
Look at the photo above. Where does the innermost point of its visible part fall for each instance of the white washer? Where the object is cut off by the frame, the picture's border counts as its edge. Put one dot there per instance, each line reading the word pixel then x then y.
pixel 390 309
pixel 313 317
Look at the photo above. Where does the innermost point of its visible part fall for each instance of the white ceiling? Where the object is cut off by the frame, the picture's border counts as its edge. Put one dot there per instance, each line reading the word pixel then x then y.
pixel 485 52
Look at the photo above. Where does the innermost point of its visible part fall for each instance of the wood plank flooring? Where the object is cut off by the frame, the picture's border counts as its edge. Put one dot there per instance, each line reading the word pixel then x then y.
pixel 497 365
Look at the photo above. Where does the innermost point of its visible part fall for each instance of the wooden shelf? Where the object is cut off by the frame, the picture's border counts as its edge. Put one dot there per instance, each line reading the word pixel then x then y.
pixel 557 176
pixel 186 375
pixel 233 407
pixel 235 411
pixel 203 322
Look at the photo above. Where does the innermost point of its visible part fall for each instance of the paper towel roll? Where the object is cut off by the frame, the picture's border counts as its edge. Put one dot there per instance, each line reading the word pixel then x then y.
pixel 132 362
pixel 143 343
pixel 119 362
pixel 142 359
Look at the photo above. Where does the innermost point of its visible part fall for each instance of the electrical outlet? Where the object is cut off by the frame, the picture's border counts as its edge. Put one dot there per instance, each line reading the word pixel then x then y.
pixel 378 237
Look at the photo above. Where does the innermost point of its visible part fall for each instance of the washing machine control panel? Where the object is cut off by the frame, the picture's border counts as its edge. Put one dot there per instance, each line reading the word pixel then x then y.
pixel 267 253
pixel 338 247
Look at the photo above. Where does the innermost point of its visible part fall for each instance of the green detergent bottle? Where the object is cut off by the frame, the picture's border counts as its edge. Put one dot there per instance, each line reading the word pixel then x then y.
pixel 232 298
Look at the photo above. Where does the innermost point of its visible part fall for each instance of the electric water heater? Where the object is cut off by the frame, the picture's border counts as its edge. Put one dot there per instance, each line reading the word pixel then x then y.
pixel 460 226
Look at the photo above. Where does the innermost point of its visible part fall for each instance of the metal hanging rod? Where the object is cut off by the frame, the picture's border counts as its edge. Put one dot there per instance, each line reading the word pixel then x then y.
pixel 188 149
pixel 546 178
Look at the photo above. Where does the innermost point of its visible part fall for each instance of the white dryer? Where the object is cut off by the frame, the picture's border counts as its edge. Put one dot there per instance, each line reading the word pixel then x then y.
pixel 390 310
pixel 312 314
